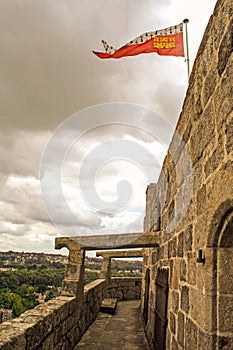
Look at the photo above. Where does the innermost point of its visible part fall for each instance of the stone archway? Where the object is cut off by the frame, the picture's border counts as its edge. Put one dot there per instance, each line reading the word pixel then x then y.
pixel 225 285
pixel 220 279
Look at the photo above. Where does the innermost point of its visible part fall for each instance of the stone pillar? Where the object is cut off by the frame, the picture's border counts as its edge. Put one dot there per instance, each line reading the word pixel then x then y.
pixel 73 283
pixel 106 268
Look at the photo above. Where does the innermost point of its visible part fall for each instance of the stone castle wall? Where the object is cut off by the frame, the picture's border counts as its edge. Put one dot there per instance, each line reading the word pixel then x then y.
pixel 191 206
pixel 124 288
pixel 61 322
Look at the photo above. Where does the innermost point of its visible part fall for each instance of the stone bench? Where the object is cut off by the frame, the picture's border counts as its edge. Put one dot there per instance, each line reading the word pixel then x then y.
pixel 109 305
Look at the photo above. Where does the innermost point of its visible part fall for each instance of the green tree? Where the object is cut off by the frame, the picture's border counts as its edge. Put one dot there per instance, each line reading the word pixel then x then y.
pixel 12 301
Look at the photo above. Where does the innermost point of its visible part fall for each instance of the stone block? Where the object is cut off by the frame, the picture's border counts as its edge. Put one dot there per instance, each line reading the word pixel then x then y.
pixel 229 137
pixel 202 135
pixel 201 200
pixel 12 339
pixel 191 332
pixel 223 100
pixel 188 238
pixel 206 340
pixel 172 246
pixel 183 270
pixel 180 248
pixel 181 327
pixel 198 175
pixel 109 305
pixel 225 49
pixel 175 276
pixel 174 344
pixel 175 301
pixel 225 269
pixel 119 295
pixel 130 295
pixel 198 310
pixel 48 343
pixel 185 299
pixel 215 160
pixel 209 85
pixel 172 322
pixel 168 338
pixel 225 306
pixel 192 269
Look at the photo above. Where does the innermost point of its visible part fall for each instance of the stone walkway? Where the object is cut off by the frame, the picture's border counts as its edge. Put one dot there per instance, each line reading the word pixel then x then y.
pixel 122 331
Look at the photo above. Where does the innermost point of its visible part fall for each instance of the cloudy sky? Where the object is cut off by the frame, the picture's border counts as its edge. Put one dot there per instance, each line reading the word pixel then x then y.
pixel 78 142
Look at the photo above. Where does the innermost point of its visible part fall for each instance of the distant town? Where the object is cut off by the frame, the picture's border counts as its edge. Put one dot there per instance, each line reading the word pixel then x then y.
pixel 28 278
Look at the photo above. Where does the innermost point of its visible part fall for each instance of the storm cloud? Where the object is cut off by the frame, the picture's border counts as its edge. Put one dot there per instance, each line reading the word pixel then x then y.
pixel 48 73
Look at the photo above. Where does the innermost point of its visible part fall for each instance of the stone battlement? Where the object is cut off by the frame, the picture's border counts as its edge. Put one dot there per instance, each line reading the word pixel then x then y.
pixel 61 322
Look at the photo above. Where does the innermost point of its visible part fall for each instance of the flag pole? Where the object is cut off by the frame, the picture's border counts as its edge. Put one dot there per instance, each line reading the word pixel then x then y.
pixel 185 21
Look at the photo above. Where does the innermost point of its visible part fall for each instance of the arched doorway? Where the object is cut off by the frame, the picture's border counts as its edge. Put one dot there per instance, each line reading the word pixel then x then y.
pixel 225 285
pixel 220 282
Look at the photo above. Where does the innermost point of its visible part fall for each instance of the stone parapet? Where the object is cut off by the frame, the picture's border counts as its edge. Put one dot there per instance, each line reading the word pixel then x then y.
pixel 124 288
pixel 61 322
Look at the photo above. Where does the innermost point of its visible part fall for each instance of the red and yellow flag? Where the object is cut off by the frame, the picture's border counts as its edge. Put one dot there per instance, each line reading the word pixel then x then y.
pixel 164 42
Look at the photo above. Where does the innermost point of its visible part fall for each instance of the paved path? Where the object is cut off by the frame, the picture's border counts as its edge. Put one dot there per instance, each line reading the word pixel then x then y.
pixel 122 331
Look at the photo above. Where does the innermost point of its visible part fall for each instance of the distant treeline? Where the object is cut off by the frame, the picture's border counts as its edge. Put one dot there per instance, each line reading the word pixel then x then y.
pixel 25 276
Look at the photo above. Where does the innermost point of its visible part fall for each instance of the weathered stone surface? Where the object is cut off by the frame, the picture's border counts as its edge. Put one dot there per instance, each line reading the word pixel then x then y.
pixel 225 314
pixel 201 200
pixel 109 305
pixel 120 253
pixel 225 343
pixel 185 299
pixel 226 48
pixel 190 224
pixel 183 270
pixel 172 323
pixel 10 339
pixel 180 250
pixel 175 301
pixel 209 85
pixel 205 340
pixel 188 238
pixel 188 208
pixel 181 327
pixel 60 323
pixel 123 330
pixel 190 335
pixel 174 344
pixel 192 269
pixel 172 248
pixel 229 136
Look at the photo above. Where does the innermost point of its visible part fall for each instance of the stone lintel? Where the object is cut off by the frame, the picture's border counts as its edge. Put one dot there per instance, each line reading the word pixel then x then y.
pixel 113 241
pixel 67 242
pixel 121 254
